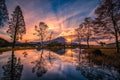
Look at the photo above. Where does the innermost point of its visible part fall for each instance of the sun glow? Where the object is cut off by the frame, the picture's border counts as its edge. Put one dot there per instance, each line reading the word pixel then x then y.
pixel 68 39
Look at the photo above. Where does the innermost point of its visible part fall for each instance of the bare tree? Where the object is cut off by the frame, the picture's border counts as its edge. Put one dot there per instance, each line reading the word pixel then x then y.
pixel 41 31
pixel 88 28
pixel 108 18
pixel 16 31
pixel 80 33
pixel 3 13
pixel 50 36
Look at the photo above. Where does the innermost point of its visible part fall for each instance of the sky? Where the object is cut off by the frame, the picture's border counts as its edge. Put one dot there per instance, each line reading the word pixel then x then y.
pixel 62 16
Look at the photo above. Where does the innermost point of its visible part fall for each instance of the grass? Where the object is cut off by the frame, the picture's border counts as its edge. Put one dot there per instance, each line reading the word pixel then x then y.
pixel 108 57
pixel 3 49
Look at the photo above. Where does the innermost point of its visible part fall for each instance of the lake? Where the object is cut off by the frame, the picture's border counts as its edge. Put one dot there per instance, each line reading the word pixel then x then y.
pixel 64 64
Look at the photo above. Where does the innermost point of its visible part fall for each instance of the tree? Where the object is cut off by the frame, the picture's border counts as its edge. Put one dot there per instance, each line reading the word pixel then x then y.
pixel 102 43
pixel 41 31
pixel 40 65
pixel 88 28
pixel 108 18
pixel 16 25
pixel 16 30
pixel 80 33
pixel 3 13
pixel 50 37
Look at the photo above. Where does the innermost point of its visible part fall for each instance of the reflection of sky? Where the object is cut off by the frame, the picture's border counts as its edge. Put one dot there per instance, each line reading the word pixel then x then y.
pixel 60 67
pixel 62 16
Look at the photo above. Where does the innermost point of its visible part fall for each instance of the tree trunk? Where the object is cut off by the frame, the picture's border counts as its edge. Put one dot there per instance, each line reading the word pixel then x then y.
pixel 42 40
pixel 79 39
pixel 116 34
pixel 88 42
pixel 117 43
pixel 12 62
pixel 13 46
pixel 42 44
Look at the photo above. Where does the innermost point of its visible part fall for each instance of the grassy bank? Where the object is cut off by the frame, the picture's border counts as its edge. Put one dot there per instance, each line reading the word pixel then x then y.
pixel 104 57
pixel 3 49
pixel 107 49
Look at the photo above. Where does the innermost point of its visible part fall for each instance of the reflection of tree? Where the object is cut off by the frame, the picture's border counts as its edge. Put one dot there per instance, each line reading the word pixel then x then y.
pixel 93 71
pixel 16 30
pixel 1 52
pixel 17 69
pixel 81 59
pixel 40 66
pixel 50 57
pixel 25 54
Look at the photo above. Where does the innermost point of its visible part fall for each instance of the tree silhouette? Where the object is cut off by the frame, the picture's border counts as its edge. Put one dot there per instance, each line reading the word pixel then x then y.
pixel 80 33
pixel 88 28
pixel 3 13
pixel 108 17
pixel 18 67
pixel 16 30
pixel 41 31
pixel 85 30
pixel 40 65
pixel 102 43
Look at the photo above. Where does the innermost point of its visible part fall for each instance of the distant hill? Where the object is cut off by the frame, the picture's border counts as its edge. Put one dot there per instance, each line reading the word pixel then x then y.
pixel 112 44
pixel 59 40
pixel 3 42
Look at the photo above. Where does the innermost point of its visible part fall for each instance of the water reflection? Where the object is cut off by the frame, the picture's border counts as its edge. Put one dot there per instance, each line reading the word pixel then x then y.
pixel 59 51
pixel 50 57
pixel 40 65
pixel 25 54
pixel 93 71
pixel 67 64
pixel 17 69
pixel 0 52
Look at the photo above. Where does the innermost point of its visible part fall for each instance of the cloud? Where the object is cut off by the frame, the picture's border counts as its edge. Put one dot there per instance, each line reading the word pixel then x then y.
pixel 62 16
pixel 3 33
pixel 92 13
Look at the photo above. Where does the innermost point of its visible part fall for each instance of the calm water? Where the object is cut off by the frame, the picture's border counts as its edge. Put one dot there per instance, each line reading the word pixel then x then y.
pixel 67 64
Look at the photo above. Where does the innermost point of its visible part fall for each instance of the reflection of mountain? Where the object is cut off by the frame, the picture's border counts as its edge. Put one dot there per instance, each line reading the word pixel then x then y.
pixel 17 70
pixel 59 51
